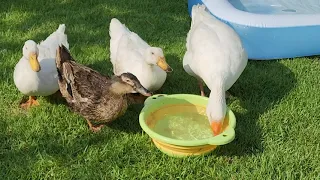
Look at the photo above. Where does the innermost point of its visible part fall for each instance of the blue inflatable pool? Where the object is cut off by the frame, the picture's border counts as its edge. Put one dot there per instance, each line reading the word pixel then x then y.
pixel 271 29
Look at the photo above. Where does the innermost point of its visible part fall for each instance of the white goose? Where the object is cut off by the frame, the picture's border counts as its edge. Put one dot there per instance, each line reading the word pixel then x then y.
pixel 36 73
pixel 129 53
pixel 216 56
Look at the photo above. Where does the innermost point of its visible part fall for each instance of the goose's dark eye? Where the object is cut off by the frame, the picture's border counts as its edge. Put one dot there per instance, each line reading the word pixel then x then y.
pixel 152 53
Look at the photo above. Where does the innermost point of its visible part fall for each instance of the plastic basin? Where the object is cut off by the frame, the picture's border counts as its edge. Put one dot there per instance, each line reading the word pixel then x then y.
pixel 187 136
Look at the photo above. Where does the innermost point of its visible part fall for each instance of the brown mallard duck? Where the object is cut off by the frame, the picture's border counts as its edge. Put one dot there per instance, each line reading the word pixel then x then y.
pixel 99 99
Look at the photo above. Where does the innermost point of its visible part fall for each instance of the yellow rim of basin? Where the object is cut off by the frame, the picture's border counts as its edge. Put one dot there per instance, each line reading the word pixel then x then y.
pixel 155 102
pixel 181 151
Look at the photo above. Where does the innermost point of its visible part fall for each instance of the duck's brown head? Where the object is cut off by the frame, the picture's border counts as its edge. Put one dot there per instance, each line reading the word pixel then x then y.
pixel 128 83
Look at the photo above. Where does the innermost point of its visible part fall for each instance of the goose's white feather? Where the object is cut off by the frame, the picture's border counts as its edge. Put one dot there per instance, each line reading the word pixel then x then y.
pixel 215 55
pixel 127 54
pixel 44 82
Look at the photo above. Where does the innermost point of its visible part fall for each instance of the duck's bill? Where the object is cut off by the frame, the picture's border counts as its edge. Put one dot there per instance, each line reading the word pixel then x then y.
pixel 144 91
pixel 34 63
pixel 216 127
pixel 162 63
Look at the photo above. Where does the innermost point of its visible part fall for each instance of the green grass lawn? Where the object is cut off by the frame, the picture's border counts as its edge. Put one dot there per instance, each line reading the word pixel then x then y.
pixel 276 103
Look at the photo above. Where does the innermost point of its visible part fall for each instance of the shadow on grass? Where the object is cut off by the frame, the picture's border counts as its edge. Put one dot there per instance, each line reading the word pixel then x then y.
pixel 129 122
pixel 55 98
pixel 178 81
pixel 103 67
pixel 44 150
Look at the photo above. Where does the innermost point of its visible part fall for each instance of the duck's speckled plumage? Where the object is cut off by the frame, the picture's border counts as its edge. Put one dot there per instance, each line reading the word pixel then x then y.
pixel 89 93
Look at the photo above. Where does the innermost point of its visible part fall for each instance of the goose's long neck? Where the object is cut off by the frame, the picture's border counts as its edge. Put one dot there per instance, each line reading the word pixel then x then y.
pixel 145 60
pixel 146 76
pixel 217 107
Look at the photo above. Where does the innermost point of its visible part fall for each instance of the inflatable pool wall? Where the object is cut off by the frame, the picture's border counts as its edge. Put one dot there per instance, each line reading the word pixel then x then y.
pixel 268 36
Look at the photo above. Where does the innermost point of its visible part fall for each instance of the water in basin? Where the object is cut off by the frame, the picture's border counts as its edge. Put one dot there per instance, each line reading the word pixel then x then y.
pixel 278 6
pixel 183 121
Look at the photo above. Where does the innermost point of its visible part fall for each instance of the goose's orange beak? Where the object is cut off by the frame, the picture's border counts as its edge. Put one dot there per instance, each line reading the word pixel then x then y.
pixel 34 63
pixel 162 63
pixel 216 127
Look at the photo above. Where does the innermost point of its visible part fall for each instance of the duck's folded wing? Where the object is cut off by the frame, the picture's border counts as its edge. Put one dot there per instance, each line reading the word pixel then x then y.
pixel 85 81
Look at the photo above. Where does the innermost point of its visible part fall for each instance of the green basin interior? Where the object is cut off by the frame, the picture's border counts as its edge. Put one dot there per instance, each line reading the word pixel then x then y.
pixel 180 120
